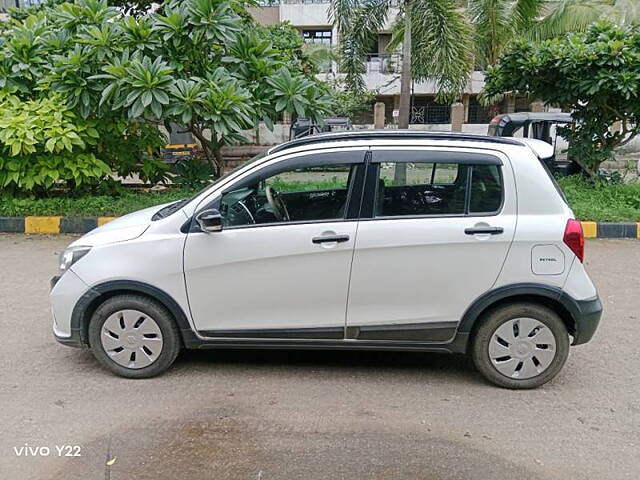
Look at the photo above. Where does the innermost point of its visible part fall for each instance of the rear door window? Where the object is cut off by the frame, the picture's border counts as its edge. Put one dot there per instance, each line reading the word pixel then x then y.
pixel 425 188
pixel 438 188
pixel 485 192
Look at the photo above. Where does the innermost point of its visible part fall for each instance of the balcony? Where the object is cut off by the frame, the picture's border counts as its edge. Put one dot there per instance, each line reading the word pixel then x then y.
pixel 385 64
pixel 382 73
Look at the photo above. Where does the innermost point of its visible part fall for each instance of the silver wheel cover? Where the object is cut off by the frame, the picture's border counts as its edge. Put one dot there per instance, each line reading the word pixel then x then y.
pixel 522 348
pixel 131 338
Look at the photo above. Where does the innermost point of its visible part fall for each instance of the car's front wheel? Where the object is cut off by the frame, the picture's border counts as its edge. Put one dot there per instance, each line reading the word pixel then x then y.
pixel 521 345
pixel 133 336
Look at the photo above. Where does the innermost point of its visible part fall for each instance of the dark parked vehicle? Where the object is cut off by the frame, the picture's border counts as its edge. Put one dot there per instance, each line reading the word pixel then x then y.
pixel 303 126
pixel 541 126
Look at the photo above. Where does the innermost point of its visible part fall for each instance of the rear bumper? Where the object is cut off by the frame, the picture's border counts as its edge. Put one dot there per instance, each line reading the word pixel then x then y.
pixel 586 314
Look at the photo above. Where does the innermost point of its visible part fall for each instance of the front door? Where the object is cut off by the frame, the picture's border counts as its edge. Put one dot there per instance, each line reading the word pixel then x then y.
pixel 440 226
pixel 280 267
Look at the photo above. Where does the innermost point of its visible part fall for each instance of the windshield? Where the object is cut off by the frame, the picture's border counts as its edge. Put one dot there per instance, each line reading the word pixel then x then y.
pixel 175 206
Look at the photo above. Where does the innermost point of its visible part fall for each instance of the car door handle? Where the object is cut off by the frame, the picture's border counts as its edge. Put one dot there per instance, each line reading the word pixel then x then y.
pixel 480 230
pixel 331 238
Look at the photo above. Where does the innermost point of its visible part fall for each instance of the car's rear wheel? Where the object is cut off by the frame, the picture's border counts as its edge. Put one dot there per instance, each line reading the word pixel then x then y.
pixel 134 336
pixel 521 345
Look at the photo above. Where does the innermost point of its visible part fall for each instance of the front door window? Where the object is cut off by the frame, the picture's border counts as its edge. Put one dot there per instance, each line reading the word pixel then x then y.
pixel 298 195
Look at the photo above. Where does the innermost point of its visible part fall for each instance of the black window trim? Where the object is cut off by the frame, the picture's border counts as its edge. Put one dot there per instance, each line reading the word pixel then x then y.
pixel 345 157
pixel 365 184
pixel 354 193
pixel 371 186
pixel 433 155
pixel 496 212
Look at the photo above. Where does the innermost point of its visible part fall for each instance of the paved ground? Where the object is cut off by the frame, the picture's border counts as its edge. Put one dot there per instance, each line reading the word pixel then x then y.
pixel 277 415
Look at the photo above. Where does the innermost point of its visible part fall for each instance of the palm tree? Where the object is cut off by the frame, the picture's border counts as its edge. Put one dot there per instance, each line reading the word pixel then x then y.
pixel 497 22
pixel 433 32
pixel 627 12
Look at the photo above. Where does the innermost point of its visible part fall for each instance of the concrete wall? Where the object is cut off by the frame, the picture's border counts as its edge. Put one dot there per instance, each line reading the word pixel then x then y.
pixel 389 83
pixel 279 134
pixel 305 15
pixel 632 147
pixel 473 128
pixel 265 15
pixel 317 14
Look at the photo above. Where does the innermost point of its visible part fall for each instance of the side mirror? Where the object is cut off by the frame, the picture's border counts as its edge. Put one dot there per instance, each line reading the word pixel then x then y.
pixel 210 220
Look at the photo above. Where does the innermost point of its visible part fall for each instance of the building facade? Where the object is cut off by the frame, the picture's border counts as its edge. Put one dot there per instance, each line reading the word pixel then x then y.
pixel 7 4
pixel 312 18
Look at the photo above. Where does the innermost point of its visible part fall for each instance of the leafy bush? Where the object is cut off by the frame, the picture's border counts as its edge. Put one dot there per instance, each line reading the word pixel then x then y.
pixel 590 200
pixel 602 200
pixel 43 142
pixel 192 173
pixel 345 103
pixel 594 74
pixel 88 206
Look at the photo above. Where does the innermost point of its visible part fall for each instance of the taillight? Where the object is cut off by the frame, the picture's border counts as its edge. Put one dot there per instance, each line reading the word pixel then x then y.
pixel 574 238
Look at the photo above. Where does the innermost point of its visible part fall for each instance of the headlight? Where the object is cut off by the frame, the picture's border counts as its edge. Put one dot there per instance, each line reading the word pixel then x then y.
pixel 71 256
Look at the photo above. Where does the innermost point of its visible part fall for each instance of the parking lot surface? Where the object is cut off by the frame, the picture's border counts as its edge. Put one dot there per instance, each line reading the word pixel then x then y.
pixel 289 414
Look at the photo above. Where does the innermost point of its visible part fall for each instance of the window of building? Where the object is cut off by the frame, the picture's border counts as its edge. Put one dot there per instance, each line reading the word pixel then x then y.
pixel 322 37
pixel 427 110
pixel 523 104
pixel 478 113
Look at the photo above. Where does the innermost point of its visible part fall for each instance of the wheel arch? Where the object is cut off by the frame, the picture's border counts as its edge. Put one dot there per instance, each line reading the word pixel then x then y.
pixel 98 294
pixel 547 295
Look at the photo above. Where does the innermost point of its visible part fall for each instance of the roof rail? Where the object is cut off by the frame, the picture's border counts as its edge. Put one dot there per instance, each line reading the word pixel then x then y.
pixel 389 134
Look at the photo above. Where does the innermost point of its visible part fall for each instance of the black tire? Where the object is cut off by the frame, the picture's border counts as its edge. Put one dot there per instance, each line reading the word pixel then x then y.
pixel 171 343
pixel 493 319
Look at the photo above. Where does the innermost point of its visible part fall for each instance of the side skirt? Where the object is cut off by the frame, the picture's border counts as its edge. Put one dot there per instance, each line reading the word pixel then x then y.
pixel 331 333
pixel 440 337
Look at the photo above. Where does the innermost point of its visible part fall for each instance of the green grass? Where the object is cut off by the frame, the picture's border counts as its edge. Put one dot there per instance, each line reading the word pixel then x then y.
pixel 599 201
pixel 602 202
pixel 89 206
pixel 295 186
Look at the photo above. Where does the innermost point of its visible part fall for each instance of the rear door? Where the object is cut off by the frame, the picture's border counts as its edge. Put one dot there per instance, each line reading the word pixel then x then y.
pixel 430 243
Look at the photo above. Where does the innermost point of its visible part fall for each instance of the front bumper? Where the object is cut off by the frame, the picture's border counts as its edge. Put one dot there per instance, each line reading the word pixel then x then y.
pixel 586 315
pixel 66 291
pixel 71 341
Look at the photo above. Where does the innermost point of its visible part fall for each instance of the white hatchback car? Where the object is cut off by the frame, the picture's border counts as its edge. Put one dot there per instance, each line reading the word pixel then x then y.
pixel 369 240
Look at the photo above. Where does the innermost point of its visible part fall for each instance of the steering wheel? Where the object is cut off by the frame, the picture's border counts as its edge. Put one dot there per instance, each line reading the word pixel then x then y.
pixel 277 204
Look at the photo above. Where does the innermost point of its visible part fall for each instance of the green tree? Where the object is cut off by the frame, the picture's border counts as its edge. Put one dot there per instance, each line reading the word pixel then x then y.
pixel 351 104
pixel 236 82
pixel 595 74
pixel 498 22
pixel 435 37
pixel 200 63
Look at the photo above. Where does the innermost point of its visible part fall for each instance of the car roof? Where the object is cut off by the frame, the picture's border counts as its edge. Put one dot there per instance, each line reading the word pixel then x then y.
pixel 533 116
pixel 396 134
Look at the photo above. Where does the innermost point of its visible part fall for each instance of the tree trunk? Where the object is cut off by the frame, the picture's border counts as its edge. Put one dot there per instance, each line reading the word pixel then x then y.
pixel 209 150
pixel 217 151
pixel 400 174
pixel 405 74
